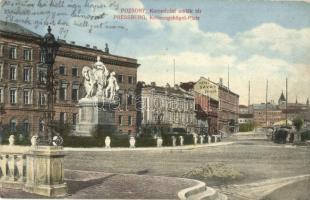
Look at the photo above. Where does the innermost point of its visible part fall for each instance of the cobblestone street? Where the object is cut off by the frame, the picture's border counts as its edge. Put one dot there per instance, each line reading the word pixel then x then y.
pixel 256 159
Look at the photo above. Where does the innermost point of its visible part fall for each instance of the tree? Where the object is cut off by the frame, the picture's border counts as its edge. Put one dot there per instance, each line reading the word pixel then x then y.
pixel 298 122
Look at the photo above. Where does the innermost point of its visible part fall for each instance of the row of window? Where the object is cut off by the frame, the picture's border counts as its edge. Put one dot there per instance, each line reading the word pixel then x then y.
pixel 74 73
pixel 130 79
pixel 122 122
pixel 169 103
pixel 12 51
pixel 13 73
pixel 25 126
pixel 27 95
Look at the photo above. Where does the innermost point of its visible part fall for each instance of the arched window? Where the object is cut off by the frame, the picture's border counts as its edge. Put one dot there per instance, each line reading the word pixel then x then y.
pixel 13 125
pixel 26 127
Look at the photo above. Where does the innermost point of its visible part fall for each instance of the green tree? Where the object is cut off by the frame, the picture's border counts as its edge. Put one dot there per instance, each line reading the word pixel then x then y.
pixel 298 122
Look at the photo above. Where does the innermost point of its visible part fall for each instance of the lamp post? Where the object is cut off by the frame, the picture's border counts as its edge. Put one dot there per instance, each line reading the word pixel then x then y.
pixel 159 118
pixel 49 47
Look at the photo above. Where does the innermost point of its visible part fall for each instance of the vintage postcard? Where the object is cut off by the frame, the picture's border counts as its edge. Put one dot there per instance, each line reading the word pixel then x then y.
pixel 154 99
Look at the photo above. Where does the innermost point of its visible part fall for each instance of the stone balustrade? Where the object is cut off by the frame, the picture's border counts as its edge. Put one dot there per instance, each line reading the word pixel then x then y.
pixel 35 169
pixel 12 166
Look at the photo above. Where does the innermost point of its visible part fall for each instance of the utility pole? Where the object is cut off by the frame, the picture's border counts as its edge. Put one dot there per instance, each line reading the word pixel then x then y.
pixel 249 97
pixel 228 78
pixel 174 72
pixel 266 103
pixel 286 104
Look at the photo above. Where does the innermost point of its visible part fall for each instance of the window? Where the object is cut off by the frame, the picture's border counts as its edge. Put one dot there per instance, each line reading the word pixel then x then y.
pixel 13 96
pixel 62 117
pixel 62 93
pixel 119 78
pixel 74 72
pixel 75 94
pixel 129 121
pixel 120 119
pixel 13 52
pixel 42 57
pixel 26 127
pixel 1 95
pixel 42 98
pixel 1 49
pixel 13 72
pixel 129 99
pixel 1 71
pixel 27 54
pixel 13 124
pixel 42 76
pixel 26 74
pixel 27 97
pixel 130 79
pixel 62 70
pixel 41 125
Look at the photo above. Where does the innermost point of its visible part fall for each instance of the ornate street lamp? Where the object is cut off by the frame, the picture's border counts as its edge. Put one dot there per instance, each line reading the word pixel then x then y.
pixel 49 47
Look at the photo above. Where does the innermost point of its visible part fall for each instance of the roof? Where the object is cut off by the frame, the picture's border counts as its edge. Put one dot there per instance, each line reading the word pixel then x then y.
pixel 17 29
pixel 171 90
pixel 262 106
pixel 242 106
pixel 282 98
pixel 246 115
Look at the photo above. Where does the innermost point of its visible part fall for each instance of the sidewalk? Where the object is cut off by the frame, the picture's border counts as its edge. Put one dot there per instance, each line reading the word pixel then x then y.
pixel 185 147
pixel 100 185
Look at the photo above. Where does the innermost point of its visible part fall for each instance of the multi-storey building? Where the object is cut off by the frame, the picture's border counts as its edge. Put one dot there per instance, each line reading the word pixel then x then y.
pixel 22 86
pixel 206 106
pixel 168 108
pixel 228 109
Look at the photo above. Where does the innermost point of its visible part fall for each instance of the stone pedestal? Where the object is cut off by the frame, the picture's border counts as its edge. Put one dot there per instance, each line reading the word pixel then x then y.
pixel 45 171
pixel 132 142
pixel 95 114
pixel 159 142
pixel 201 139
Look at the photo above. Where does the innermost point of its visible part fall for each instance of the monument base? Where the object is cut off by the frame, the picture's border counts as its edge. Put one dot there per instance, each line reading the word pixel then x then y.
pixel 95 117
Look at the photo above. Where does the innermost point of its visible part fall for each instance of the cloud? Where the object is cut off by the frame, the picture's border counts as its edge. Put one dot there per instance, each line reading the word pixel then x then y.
pixel 273 40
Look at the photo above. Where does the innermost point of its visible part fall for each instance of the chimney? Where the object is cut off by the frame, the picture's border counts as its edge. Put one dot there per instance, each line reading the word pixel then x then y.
pixel 106 48
pixel 87 45
pixel 72 42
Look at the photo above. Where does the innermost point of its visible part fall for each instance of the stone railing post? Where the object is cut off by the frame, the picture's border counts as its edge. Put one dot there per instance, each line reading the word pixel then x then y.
pixel 132 142
pixel 181 140
pixel 107 142
pixel 201 139
pixel 159 142
pixel 174 141
pixel 45 171
pixel 195 139
pixel 3 166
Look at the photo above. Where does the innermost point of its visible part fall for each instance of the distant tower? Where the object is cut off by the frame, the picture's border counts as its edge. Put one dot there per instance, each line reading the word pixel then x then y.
pixel 282 101
pixel 296 100
pixel 307 102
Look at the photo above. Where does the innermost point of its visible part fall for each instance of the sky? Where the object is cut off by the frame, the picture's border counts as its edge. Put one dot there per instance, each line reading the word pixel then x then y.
pixel 256 40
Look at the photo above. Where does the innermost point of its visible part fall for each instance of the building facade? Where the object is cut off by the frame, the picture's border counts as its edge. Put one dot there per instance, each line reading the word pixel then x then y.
pixel 22 87
pixel 170 109
pixel 206 106
pixel 228 109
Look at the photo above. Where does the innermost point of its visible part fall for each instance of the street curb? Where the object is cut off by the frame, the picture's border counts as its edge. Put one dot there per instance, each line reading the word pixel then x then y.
pixel 199 191
pixel 188 147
